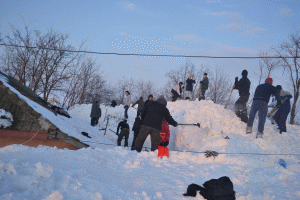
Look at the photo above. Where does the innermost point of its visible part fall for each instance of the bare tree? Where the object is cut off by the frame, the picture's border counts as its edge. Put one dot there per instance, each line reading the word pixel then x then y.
pixel 266 66
pixel 41 68
pixel 219 87
pixel 291 67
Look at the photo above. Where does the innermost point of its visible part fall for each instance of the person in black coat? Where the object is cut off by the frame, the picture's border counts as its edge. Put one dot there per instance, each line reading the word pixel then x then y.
pixel 124 132
pixel 189 86
pixel 243 85
pixel 136 129
pixel 152 117
pixel 113 103
pixel 141 104
pixel 149 100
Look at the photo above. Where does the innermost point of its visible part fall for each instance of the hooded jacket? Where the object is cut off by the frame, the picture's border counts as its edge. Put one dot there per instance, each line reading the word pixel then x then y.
pixel 153 114
pixel 286 96
pixel 243 85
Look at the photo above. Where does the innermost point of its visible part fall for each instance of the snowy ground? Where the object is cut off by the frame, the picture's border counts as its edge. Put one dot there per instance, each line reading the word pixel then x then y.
pixel 109 172
pixel 6 119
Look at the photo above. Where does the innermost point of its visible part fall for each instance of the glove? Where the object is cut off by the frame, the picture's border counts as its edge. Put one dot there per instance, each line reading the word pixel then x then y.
pixel 183 87
pixel 236 79
pixel 201 82
pixel 282 101
pixel 176 124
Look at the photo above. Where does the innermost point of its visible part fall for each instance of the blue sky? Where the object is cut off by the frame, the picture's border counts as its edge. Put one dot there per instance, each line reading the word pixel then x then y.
pixel 190 27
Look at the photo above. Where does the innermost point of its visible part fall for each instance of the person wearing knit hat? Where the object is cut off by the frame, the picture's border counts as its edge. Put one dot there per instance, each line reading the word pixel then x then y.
pixel 243 85
pixel 152 117
pixel 280 116
pixel 260 102
pixel 203 86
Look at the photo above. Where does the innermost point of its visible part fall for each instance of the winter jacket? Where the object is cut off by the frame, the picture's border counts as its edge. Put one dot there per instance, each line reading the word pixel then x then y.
pixel 96 110
pixel 178 89
pixel 189 84
pixel 264 92
pixel 286 96
pixel 128 100
pixel 140 103
pixel 205 83
pixel 137 124
pixel 122 125
pixel 153 114
pixel 243 85
pixel 146 102
pixel 166 130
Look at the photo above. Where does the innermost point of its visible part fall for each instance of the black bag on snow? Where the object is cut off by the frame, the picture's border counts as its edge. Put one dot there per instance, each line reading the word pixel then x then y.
pixel 214 189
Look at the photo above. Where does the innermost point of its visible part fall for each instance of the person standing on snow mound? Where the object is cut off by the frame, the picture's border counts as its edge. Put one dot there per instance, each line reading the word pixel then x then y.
pixel 176 91
pixel 141 104
pixel 243 85
pixel 203 86
pixel 189 86
pixel 280 116
pixel 127 103
pixel 260 102
pixel 152 117
pixel 124 132
pixel 95 113
pixel 149 100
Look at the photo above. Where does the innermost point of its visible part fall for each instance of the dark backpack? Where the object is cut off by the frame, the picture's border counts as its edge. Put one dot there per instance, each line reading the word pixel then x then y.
pixel 214 189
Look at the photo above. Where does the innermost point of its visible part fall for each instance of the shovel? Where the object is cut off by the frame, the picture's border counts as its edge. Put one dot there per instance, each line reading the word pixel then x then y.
pixel 198 124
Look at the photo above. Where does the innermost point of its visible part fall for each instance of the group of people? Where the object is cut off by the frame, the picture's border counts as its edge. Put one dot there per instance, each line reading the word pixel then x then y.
pixel 153 118
pixel 177 90
pixel 260 102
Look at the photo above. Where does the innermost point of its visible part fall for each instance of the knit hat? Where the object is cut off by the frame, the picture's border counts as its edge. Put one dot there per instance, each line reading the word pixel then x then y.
pixel 244 72
pixel 150 96
pixel 205 74
pixel 269 80
pixel 180 83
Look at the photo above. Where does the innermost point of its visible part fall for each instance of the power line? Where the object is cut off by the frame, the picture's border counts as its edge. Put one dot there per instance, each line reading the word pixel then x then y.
pixel 150 55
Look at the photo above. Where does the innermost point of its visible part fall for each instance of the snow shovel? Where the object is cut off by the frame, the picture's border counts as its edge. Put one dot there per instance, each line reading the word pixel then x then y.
pixel 162 150
pixel 229 97
pixel 198 124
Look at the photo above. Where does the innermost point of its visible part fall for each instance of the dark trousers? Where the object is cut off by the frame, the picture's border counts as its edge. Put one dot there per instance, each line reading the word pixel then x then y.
pixel 94 121
pixel 164 144
pixel 144 132
pixel 175 95
pixel 124 133
pixel 280 118
pixel 262 108
pixel 136 133
pixel 241 108
pixel 203 93
pixel 126 111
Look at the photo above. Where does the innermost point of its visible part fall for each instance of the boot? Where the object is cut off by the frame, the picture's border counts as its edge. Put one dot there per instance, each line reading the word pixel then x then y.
pixel 259 135
pixel 249 130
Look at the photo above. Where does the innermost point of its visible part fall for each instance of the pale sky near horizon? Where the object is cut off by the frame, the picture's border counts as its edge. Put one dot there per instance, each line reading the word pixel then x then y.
pixel 186 27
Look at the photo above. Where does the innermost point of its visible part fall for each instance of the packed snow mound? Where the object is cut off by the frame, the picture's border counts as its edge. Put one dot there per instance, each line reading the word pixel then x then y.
pixel 6 119
pixel 213 118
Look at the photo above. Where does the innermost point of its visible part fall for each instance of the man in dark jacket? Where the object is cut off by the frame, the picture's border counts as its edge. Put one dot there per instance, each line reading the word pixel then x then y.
pixel 152 117
pixel 260 102
pixel 113 103
pixel 189 86
pixel 243 85
pixel 95 113
pixel 124 132
pixel 141 104
pixel 203 86
pixel 149 100
pixel 136 129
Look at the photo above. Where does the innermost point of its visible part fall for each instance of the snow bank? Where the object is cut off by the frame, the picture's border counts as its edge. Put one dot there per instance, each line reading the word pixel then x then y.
pixel 6 119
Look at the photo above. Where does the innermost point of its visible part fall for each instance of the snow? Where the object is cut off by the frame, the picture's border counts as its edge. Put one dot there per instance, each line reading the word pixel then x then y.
pixel 111 172
pixel 6 119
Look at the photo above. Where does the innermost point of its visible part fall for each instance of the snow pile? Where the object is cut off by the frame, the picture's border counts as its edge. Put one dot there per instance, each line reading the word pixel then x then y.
pixel 6 119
